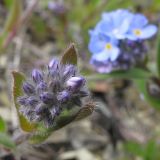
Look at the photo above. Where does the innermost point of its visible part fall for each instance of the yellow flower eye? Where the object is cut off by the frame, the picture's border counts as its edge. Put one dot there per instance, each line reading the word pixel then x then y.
pixel 108 46
pixel 137 32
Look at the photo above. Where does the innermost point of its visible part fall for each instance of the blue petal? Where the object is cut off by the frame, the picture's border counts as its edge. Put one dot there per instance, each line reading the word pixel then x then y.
pixel 125 25
pixel 117 22
pixel 120 15
pixel 114 53
pixel 139 21
pixel 96 44
pixel 114 41
pixel 105 25
pixel 131 36
pixel 148 31
pixel 101 56
pixel 107 54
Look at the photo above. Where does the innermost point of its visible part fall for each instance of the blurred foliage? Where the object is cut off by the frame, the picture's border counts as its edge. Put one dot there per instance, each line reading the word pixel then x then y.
pixel 149 151
pixel 2 125
pixel 14 7
pixel 5 139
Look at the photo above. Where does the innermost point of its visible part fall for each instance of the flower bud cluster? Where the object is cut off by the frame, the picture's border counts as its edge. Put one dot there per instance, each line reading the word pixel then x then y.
pixel 48 93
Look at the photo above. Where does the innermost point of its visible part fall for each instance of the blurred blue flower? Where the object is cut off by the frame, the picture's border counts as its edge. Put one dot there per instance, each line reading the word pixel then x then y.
pixel 103 48
pixel 114 24
pixel 140 29
pixel 117 41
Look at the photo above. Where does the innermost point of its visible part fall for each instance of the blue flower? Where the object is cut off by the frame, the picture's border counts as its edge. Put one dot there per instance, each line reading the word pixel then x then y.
pixel 114 24
pixel 103 48
pixel 140 29
pixel 117 41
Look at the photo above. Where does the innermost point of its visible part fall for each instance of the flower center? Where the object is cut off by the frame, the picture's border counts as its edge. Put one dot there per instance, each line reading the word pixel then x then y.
pixel 137 32
pixel 108 46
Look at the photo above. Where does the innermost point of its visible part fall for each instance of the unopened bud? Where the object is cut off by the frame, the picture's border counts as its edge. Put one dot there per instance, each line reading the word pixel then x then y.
pixel 22 100
pixel 75 83
pixel 40 110
pixel 53 64
pixel 41 87
pixel 37 76
pixel 53 68
pixel 46 97
pixel 63 96
pixel 69 71
pixel 28 88
pixel 32 101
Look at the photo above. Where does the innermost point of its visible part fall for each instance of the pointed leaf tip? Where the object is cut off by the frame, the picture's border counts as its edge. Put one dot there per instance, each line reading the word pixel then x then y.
pixel 85 111
pixel 70 55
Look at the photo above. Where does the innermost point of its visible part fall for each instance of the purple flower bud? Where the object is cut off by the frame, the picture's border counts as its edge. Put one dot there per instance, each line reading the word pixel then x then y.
pixel 41 110
pixel 63 96
pixel 53 64
pixel 32 101
pixel 69 71
pixel 37 76
pixel 28 88
pixel 22 100
pixel 41 87
pixel 53 68
pixel 75 83
pixel 47 97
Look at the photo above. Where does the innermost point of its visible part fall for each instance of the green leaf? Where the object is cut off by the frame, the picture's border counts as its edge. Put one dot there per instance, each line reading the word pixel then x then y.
pixel 70 55
pixel 134 73
pixel 64 119
pixel 17 91
pixel 142 86
pixel 2 125
pixel 6 141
